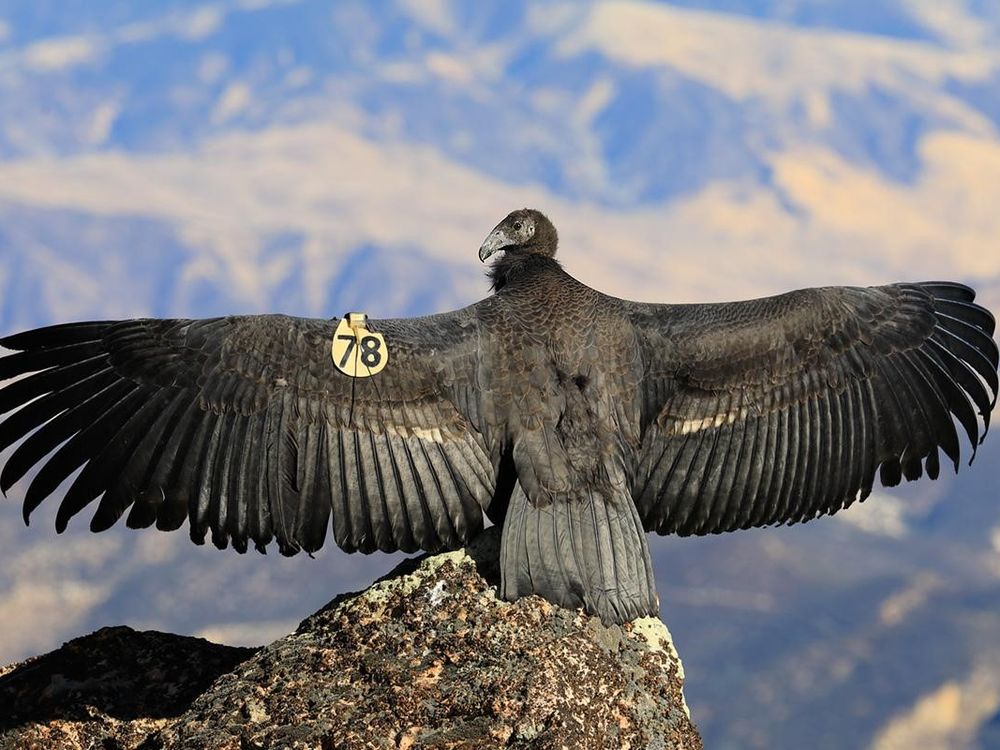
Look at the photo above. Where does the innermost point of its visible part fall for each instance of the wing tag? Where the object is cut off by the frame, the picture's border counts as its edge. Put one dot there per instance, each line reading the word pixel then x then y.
pixel 356 351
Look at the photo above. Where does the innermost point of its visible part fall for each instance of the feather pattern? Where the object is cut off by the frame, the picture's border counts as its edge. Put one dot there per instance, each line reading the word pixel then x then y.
pixel 848 383
pixel 577 420
pixel 240 424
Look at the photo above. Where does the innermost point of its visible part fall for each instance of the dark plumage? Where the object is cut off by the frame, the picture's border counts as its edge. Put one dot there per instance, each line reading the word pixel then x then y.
pixel 577 420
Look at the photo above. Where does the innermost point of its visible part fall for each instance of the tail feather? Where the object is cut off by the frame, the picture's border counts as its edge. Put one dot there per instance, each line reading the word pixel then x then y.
pixel 579 551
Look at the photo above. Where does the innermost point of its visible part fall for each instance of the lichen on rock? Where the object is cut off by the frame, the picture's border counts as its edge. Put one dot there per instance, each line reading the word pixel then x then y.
pixel 427 657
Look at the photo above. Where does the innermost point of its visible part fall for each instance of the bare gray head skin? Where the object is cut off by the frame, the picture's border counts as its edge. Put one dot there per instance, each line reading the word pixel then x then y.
pixel 526 231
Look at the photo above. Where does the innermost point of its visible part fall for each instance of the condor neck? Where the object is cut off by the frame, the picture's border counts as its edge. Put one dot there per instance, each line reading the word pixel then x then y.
pixel 516 265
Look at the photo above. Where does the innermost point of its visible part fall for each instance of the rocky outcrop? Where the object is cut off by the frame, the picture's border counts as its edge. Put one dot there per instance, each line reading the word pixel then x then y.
pixel 427 657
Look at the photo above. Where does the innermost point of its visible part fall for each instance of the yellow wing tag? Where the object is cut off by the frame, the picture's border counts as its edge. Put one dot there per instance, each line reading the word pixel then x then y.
pixel 357 351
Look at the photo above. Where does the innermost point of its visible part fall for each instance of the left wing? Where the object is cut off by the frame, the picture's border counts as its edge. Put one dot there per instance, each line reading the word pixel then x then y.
pixel 244 427
pixel 780 409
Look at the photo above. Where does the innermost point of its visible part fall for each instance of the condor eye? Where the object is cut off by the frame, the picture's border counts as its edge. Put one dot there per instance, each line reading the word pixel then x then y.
pixel 517 226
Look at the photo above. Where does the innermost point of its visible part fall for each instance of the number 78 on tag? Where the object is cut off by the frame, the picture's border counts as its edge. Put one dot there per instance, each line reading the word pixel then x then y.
pixel 356 351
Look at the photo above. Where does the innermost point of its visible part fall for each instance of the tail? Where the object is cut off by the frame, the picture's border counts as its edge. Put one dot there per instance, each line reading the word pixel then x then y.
pixel 581 550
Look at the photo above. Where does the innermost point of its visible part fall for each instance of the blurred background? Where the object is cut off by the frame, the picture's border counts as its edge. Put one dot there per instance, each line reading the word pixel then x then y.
pixel 193 158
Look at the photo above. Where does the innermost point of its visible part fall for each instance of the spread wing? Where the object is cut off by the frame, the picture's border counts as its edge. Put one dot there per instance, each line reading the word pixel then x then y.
pixel 243 426
pixel 781 409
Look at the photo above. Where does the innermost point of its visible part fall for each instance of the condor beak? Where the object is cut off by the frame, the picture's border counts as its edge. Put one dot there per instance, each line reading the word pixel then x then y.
pixel 498 240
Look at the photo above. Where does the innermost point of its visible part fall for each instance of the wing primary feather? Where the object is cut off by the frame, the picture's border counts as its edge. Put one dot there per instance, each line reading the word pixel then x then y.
pixel 40 411
pixel 75 452
pixel 52 380
pixel 859 441
pixel 948 290
pixel 972 356
pixel 952 375
pixel 811 469
pixel 53 433
pixel 966 377
pixel 115 436
pixel 60 335
pixel 42 359
pixel 972 315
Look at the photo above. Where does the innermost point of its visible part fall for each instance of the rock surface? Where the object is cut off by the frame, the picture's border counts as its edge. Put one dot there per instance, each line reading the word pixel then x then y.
pixel 427 657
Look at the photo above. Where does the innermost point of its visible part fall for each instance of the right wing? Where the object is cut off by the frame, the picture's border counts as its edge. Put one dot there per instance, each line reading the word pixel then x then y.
pixel 244 426
pixel 780 409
